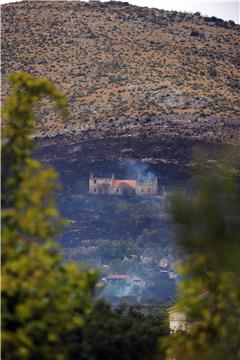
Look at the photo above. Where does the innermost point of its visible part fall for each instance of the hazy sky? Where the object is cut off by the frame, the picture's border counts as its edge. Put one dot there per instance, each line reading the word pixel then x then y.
pixel 227 10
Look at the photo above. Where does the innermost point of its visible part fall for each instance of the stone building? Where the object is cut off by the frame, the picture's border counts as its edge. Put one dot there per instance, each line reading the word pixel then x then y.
pixel 112 186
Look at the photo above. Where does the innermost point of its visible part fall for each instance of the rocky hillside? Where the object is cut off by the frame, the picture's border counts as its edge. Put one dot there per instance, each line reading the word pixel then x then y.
pixel 117 61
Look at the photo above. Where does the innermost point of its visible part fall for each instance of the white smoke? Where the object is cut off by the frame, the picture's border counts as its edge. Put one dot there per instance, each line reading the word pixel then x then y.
pixel 137 170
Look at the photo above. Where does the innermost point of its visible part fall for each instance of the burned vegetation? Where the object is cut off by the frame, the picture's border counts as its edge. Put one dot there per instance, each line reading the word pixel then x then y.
pixel 127 235
pixel 123 234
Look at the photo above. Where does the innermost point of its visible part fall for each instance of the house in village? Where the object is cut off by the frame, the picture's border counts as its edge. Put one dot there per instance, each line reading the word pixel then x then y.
pixel 137 282
pixel 118 279
pixel 177 319
pixel 124 280
pixel 112 186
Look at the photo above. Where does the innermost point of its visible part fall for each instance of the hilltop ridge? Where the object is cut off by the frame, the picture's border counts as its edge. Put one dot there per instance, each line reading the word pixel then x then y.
pixel 119 61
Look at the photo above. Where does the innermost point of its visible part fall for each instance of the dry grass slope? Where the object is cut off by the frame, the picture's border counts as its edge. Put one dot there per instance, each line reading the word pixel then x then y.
pixel 114 60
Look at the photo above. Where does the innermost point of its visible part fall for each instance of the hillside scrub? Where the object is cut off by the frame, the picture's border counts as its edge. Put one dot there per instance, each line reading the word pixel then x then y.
pixel 118 60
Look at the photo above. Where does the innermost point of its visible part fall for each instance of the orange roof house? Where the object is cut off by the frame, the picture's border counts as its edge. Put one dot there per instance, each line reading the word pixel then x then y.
pixel 118 279
pixel 112 186
pixel 119 183
pixel 118 276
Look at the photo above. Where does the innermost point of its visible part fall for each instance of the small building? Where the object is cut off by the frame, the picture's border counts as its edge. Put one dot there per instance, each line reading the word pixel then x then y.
pixel 118 279
pixel 138 282
pixel 112 186
pixel 172 275
pixel 164 263
pixel 177 319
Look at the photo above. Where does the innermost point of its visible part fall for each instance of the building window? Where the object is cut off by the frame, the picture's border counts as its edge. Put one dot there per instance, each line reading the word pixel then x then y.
pixel 117 190
pixel 94 181
pixel 94 190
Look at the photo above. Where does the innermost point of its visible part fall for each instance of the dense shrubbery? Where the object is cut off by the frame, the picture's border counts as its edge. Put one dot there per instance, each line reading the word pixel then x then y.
pixel 120 334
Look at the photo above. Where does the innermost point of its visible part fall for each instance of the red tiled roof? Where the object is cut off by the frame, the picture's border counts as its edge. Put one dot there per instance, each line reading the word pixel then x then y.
pixel 118 276
pixel 119 183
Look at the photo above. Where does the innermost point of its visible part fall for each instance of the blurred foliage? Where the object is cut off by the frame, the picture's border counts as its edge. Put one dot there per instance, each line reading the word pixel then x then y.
pixel 208 225
pixel 19 114
pixel 42 299
pixel 125 333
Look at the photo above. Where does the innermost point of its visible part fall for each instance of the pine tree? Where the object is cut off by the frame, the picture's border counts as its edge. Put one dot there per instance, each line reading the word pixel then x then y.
pixel 42 298
pixel 208 226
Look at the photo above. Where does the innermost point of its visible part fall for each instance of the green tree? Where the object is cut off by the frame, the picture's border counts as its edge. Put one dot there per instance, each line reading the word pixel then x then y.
pixel 42 299
pixel 121 334
pixel 209 232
